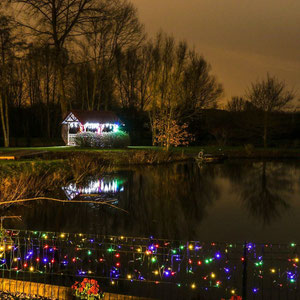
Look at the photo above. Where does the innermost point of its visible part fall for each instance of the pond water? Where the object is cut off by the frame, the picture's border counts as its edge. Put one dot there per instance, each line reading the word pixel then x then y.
pixel 237 201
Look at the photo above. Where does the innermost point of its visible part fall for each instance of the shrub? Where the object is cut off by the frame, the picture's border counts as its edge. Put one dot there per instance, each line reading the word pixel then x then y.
pixel 85 139
pixel 118 139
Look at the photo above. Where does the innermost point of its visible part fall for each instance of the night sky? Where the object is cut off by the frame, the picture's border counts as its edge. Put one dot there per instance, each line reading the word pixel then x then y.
pixel 241 39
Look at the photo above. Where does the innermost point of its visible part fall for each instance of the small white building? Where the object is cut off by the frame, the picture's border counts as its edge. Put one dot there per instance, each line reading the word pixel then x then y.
pixel 88 121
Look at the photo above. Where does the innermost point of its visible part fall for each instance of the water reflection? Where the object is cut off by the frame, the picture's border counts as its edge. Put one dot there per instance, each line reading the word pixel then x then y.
pixel 226 201
pixel 266 191
pixel 94 188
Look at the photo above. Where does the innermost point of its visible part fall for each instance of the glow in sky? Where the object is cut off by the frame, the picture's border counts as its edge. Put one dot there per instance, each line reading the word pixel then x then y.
pixel 241 39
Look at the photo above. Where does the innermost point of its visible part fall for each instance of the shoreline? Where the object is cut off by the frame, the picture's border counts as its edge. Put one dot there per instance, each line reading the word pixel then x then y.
pixel 136 155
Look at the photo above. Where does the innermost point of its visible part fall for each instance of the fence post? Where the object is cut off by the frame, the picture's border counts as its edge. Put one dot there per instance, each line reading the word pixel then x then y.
pixel 245 261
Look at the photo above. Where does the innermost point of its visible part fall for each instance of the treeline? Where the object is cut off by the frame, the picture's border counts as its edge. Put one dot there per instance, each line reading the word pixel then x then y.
pixel 242 128
pixel 57 55
pixel 94 55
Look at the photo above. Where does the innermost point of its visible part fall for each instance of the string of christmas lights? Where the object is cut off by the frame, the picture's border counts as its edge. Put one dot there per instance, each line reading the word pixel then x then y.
pixel 194 265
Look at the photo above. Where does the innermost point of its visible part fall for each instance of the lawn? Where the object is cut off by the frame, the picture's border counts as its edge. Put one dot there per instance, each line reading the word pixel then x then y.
pixel 236 152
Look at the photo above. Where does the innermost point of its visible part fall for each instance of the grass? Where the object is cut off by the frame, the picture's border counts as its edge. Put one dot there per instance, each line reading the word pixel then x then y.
pixel 117 155
pixel 75 149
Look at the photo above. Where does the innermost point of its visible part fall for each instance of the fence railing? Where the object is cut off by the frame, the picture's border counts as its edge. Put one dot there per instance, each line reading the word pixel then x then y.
pixel 150 267
pixel 71 139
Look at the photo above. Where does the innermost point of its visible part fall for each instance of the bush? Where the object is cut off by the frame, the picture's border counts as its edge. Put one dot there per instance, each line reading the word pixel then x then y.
pixel 85 139
pixel 118 139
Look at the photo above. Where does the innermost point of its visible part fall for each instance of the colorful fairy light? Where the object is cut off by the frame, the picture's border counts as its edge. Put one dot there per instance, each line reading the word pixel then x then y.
pixel 153 259
pixel 135 259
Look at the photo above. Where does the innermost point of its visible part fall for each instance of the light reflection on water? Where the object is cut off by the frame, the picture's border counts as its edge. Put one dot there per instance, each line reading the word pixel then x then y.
pixel 234 201
pixel 93 188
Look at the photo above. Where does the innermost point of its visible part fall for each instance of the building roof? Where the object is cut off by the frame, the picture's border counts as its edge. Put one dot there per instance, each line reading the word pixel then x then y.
pixel 101 117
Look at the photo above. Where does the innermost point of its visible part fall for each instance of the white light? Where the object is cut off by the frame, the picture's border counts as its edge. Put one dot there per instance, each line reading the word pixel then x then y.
pixel 116 127
pixel 94 187
pixel 91 125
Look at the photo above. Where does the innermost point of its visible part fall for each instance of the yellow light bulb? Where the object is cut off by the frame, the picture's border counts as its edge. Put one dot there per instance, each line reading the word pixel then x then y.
pixel 296 259
pixel 156 272
pixel 122 237
pixel 9 247
pixel 232 291
pixel 191 247
pixel 273 270
pixel 1 248
pixel 129 276
pixel 62 235
pixel 212 275
pixel 112 282
pixel 193 286
pixel 31 269
pixel 139 250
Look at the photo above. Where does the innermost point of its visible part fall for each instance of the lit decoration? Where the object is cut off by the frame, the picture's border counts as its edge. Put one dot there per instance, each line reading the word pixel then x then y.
pixel 99 122
pixel 204 266
pixel 95 188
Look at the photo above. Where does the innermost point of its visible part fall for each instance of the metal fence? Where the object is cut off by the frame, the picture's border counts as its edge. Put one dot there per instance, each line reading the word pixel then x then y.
pixel 149 267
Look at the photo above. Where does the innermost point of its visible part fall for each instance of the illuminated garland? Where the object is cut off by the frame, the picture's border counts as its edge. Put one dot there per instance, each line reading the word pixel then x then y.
pixel 193 265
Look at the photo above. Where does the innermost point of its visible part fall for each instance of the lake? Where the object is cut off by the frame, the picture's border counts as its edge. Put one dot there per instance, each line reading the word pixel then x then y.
pixel 237 201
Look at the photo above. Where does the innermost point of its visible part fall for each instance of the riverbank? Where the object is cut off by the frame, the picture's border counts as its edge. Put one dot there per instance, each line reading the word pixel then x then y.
pixel 130 156
pixel 142 155
pixel 245 152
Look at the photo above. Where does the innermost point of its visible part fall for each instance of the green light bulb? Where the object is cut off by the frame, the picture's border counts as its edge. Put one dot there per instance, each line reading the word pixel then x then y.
pixel 153 259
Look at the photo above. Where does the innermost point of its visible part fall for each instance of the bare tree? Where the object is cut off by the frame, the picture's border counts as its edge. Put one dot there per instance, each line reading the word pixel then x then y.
pixel 168 62
pixel 56 21
pixel 269 95
pixel 8 65
pixel 40 81
pixel 236 104
pixel 112 28
pixel 134 68
pixel 200 88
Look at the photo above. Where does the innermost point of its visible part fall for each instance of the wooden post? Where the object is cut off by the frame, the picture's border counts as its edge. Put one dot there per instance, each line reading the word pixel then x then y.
pixel 245 261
